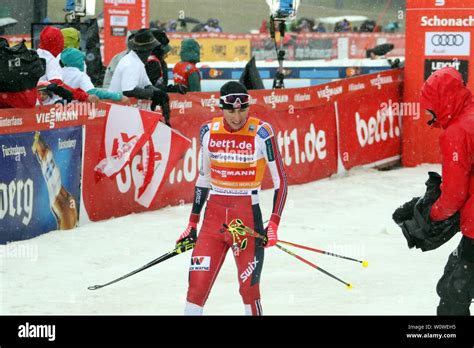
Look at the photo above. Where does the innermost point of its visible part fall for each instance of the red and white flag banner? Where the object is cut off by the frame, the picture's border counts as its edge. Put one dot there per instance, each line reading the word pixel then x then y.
pixel 133 135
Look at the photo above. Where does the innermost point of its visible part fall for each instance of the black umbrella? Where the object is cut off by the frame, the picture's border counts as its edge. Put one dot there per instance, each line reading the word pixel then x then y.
pixel 189 20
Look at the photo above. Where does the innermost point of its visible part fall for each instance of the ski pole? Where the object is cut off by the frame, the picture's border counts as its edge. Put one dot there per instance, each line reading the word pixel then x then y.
pixel 236 226
pixel 348 285
pixel 182 247
pixel 364 263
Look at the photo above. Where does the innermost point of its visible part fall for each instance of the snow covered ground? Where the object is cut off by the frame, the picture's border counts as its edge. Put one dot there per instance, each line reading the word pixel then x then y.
pixel 350 215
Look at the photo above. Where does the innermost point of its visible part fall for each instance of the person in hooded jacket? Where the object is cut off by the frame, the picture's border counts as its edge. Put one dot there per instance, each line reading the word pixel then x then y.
pixel 448 102
pixel 185 72
pixel 74 76
pixel 51 45
pixel 72 38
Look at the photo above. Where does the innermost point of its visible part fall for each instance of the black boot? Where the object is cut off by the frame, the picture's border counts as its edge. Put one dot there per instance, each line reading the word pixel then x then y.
pixel 456 286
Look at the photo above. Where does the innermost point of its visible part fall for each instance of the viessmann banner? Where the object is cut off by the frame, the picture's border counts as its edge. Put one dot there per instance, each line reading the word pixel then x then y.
pixel 439 33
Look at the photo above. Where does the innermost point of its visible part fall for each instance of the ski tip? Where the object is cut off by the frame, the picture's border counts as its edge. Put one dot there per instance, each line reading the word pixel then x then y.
pixel 349 286
pixel 94 287
pixel 365 263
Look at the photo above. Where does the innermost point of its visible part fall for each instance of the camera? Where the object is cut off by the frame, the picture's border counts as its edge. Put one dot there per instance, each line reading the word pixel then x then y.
pixel 79 8
pixel 283 9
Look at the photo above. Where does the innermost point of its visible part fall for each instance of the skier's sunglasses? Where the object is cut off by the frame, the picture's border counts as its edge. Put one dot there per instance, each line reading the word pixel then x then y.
pixel 235 101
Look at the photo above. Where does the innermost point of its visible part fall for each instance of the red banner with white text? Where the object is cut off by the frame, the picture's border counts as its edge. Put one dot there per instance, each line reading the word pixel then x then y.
pixel 438 34
pixel 121 16
pixel 319 130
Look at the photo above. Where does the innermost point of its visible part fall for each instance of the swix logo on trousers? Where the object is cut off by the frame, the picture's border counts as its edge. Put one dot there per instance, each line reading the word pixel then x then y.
pixel 249 270
pixel 200 263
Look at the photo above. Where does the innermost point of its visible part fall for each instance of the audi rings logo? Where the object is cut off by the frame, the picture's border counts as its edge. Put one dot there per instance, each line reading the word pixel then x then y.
pixel 452 43
pixel 447 40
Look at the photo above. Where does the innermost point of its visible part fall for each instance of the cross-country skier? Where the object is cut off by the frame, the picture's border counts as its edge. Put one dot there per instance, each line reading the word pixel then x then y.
pixel 236 149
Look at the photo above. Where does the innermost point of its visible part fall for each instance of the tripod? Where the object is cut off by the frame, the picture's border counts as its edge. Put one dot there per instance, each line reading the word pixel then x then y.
pixel 278 81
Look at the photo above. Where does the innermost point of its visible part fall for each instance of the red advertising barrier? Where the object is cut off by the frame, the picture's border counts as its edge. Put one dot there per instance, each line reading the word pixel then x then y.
pixel 371 131
pixel 306 126
pixel 128 191
pixel 438 34
pixel 320 130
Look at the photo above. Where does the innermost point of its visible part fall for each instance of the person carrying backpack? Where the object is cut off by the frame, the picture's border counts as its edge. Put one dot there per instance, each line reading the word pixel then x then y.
pixel 20 70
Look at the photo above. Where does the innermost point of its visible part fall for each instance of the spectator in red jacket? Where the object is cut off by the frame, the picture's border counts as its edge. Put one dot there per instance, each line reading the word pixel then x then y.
pixel 448 101
pixel 185 72
pixel 51 45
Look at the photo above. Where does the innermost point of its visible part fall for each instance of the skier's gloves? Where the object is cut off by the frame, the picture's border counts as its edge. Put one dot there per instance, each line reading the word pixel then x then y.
pixel 271 231
pixel 191 230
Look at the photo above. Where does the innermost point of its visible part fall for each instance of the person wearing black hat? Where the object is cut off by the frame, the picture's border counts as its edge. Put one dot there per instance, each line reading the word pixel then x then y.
pixel 130 76
pixel 156 66
pixel 235 150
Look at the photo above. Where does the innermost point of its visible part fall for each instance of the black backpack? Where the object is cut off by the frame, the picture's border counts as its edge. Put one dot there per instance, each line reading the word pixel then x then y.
pixel 417 227
pixel 20 68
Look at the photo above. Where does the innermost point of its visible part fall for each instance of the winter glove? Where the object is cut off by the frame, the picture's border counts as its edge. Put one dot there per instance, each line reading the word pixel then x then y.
pixel 405 212
pixel 181 89
pixel 191 230
pixel 271 232
pixel 60 91
pixel 159 97
pixel 162 99
pixel 166 113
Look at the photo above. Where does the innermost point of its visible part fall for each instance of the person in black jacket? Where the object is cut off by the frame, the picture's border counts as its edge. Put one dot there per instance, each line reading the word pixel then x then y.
pixel 156 66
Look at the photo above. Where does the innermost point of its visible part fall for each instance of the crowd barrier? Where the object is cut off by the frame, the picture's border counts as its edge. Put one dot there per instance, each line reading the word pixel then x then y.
pixel 320 131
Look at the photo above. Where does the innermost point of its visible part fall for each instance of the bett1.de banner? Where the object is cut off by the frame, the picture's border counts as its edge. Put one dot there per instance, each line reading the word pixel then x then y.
pixel 320 131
